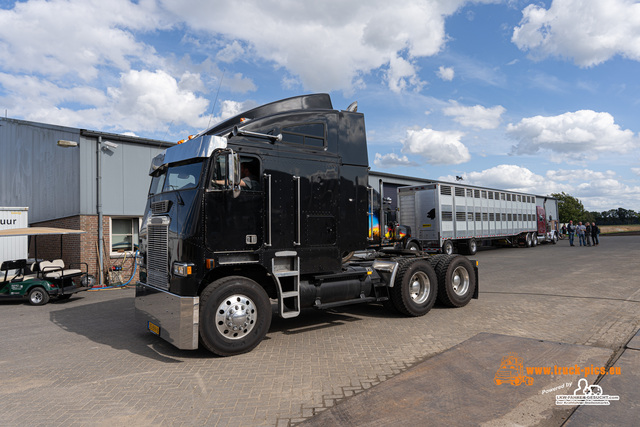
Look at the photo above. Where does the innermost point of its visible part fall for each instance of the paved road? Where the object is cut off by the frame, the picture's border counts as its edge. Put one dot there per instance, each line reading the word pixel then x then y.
pixel 87 361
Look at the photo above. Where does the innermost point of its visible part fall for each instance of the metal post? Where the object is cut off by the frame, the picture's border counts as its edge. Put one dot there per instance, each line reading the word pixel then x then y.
pixel 99 209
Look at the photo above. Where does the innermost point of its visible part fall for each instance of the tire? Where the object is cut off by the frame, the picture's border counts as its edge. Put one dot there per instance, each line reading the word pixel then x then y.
pixel 456 281
pixel 471 247
pixel 447 247
pixel 554 239
pixel 413 246
pixel 415 289
pixel 534 241
pixel 235 315
pixel 528 240
pixel 38 296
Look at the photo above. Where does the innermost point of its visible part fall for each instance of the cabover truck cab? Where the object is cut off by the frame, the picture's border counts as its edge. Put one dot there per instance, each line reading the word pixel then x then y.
pixel 268 206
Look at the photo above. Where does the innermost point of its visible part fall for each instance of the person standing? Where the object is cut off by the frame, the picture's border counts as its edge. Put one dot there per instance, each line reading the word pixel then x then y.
pixel 587 233
pixel 580 230
pixel 595 230
pixel 571 230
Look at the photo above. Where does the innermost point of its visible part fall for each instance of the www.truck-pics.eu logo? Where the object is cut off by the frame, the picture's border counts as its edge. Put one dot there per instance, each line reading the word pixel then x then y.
pixel 512 371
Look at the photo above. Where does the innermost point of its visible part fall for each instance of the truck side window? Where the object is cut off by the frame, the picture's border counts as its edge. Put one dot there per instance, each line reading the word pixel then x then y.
pixel 249 174
pixel 310 135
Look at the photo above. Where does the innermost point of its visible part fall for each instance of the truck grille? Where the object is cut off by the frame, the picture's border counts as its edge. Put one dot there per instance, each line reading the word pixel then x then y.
pixel 160 207
pixel 158 256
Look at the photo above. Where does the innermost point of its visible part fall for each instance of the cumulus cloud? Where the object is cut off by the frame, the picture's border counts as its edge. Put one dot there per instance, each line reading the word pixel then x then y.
pixel 597 190
pixel 145 100
pixel 573 137
pixel 58 37
pixel 507 177
pixel 330 45
pixel 588 31
pixel 476 116
pixel 437 147
pixel 392 160
pixel 446 73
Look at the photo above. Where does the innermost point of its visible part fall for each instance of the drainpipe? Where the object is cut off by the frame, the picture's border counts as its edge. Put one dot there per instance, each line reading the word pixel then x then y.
pixel 99 209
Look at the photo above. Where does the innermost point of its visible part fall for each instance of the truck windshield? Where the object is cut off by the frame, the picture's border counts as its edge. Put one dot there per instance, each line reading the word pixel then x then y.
pixel 179 177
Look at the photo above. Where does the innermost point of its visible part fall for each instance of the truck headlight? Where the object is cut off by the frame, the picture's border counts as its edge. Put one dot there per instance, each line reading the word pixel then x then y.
pixel 182 269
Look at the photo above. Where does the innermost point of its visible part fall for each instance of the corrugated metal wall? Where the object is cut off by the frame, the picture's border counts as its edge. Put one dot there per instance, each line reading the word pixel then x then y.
pixel 56 182
pixel 35 172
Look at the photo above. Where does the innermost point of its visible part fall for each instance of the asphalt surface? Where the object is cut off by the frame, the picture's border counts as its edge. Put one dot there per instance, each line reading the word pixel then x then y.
pixel 87 361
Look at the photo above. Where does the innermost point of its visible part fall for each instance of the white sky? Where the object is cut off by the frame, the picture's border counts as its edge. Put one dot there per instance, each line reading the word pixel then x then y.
pixel 519 95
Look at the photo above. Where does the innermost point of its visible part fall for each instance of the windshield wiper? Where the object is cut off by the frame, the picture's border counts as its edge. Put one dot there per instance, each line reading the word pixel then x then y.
pixel 179 197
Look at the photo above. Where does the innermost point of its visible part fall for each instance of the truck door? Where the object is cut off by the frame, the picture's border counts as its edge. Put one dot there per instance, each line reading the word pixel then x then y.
pixel 234 218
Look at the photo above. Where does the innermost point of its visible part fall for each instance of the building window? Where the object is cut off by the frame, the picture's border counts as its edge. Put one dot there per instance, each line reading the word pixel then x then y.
pixel 124 235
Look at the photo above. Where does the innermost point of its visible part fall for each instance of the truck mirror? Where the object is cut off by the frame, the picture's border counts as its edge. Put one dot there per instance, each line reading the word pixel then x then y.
pixel 233 172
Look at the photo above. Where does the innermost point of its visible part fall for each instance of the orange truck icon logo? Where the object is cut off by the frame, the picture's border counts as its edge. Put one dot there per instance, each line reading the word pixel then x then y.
pixel 512 371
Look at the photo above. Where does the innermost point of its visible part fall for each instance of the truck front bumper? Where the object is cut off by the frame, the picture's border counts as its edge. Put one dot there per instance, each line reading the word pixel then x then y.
pixel 174 318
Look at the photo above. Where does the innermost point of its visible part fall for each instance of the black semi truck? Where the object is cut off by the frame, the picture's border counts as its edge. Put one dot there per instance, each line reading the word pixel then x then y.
pixel 270 205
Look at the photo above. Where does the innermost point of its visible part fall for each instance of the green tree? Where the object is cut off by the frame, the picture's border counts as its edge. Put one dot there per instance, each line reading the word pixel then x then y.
pixel 570 208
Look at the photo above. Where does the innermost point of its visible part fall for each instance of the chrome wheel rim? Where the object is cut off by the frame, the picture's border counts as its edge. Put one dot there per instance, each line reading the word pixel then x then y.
pixel 37 297
pixel 460 281
pixel 419 287
pixel 235 317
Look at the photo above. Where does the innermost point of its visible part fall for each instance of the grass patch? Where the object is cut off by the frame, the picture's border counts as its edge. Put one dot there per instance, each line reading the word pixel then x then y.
pixel 606 229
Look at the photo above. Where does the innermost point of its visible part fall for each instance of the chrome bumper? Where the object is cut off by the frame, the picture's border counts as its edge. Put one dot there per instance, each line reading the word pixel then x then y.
pixel 172 317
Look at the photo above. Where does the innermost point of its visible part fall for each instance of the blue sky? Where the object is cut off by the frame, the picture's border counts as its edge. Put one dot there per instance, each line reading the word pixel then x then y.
pixel 541 97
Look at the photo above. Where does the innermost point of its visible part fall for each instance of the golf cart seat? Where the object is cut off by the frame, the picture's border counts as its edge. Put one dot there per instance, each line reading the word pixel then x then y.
pixel 18 264
pixel 54 270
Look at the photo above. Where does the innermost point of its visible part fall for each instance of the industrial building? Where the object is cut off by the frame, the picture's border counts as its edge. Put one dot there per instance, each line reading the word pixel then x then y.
pixel 79 179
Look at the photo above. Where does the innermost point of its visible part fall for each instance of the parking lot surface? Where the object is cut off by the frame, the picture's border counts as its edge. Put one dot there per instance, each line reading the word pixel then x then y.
pixel 87 361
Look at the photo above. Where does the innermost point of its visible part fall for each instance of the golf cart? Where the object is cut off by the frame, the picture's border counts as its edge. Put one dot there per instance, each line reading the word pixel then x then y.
pixel 40 280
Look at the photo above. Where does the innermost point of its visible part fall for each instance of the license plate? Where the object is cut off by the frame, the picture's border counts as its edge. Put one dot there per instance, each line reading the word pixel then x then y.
pixel 154 328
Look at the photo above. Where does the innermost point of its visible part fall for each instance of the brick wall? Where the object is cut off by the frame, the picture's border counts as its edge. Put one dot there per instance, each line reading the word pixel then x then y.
pixel 81 248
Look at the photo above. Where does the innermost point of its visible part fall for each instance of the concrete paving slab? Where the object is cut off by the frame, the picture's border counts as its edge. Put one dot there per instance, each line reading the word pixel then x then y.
pixel 622 412
pixel 635 342
pixel 458 387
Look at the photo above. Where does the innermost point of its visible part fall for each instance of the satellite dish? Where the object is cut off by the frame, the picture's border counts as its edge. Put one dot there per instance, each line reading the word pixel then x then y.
pixel 353 107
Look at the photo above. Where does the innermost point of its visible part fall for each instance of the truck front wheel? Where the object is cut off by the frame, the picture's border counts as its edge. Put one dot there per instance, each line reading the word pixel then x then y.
pixel 456 281
pixel 235 315
pixel 415 288
pixel 38 296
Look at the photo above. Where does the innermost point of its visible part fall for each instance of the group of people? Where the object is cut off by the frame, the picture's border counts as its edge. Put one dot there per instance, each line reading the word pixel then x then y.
pixel 587 233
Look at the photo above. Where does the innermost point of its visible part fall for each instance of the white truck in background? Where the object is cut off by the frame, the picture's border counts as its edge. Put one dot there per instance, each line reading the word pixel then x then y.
pixel 447 217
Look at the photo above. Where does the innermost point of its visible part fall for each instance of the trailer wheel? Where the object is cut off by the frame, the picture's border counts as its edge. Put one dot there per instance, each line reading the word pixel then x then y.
pixel 235 315
pixel 534 240
pixel 554 239
pixel 472 247
pixel 415 288
pixel 528 240
pixel 456 281
pixel 38 296
pixel 447 247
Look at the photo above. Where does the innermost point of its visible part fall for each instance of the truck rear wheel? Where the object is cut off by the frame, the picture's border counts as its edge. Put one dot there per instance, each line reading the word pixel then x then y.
pixel 235 315
pixel 456 281
pixel 415 288
pixel 38 296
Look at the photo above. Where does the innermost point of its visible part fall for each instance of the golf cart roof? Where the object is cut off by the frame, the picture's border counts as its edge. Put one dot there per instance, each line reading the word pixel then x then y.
pixel 38 231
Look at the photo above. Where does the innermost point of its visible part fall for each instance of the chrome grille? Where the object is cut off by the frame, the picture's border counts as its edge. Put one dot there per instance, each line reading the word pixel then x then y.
pixel 158 256
pixel 160 207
